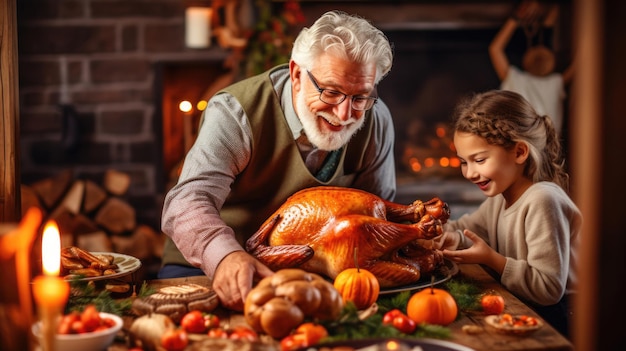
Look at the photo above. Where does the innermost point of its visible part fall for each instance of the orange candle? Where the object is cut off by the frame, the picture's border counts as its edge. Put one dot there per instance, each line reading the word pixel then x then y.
pixel 50 291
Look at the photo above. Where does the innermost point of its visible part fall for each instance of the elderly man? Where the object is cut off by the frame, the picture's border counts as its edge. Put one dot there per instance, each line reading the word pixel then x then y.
pixel 316 121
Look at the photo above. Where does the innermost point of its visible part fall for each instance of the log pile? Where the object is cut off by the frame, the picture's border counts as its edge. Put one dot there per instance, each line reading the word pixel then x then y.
pixel 94 217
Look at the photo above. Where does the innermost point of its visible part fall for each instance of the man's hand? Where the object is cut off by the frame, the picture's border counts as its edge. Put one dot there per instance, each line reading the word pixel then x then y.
pixel 234 277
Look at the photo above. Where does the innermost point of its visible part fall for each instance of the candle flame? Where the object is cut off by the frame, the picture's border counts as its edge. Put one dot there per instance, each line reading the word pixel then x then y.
pixel 392 345
pixel 51 249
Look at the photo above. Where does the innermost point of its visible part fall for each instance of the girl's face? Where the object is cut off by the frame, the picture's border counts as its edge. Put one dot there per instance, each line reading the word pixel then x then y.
pixel 492 168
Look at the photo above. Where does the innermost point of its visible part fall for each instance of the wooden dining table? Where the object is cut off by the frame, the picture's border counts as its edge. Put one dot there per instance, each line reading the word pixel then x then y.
pixel 485 337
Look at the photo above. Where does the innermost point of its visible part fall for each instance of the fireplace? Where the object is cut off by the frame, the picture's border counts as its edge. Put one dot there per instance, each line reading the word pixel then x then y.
pixel 432 70
pixel 183 88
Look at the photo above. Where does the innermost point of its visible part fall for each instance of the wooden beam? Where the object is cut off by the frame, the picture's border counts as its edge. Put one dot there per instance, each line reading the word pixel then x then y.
pixel 10 209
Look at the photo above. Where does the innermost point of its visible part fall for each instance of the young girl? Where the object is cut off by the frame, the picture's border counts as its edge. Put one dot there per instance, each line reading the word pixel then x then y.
pixel 527 229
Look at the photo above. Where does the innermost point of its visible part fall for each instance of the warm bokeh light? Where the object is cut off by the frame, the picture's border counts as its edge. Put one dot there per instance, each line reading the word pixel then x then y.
pixel 455 162
pixel 429 162
pixel 201 105
pixel 444 162
pixel 451 145
pixel 441 132
pixel 51 249
pixel 415 165
pixel 392 345
pixel 185 106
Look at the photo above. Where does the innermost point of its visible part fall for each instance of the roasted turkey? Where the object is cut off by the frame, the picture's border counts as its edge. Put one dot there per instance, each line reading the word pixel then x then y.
pixel 318 229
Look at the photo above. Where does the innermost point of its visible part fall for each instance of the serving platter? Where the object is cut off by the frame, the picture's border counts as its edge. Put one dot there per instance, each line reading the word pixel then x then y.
pixel 442 275
pixel 126 265
pixel 495 322
pixel 424 344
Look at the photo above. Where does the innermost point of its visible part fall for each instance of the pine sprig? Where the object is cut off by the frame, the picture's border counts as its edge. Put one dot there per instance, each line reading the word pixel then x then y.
pixel 400 300
pixel 466 293
pixel 349 327
pixel 85 293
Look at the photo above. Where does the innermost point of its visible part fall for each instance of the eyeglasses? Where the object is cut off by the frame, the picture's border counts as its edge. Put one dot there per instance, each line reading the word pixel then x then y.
pixel 334 97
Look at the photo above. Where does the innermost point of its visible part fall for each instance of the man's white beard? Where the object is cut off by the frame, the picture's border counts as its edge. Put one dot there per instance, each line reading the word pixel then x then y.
pixel 324 140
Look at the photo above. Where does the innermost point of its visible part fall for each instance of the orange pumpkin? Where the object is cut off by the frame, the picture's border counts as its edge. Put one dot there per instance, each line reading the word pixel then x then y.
pixel 433 306
pixel 357 285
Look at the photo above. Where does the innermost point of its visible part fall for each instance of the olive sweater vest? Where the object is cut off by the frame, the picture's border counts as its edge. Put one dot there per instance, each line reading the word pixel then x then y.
pixel 276 169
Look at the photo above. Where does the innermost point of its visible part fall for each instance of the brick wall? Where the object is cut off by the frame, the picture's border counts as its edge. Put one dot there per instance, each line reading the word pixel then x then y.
pixel 97 58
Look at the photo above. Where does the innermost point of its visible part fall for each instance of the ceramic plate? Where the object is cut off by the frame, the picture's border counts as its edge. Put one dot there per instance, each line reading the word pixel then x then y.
pixel 443 274
pixel 425 344
pixel 125 265
pixel 494 321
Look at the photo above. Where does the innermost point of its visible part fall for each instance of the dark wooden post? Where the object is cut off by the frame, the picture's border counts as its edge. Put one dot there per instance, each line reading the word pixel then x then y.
pixel 10 209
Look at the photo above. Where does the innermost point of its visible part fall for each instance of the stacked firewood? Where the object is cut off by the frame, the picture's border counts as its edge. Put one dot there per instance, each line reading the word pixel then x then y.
pixel 94 217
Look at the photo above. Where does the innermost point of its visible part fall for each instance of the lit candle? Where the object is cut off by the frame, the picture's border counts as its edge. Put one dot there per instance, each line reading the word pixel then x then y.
pixel 50 291
pixel 16 245
pixel 198 27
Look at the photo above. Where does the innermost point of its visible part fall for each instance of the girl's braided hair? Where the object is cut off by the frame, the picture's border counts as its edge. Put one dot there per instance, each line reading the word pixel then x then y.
pixel 504 118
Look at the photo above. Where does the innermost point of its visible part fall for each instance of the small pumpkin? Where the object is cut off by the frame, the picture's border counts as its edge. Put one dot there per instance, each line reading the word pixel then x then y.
pixel 357 285
pixel 433 306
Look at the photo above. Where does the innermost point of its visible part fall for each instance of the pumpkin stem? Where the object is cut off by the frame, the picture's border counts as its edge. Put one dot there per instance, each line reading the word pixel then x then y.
pixel 432 284
pixel 356 261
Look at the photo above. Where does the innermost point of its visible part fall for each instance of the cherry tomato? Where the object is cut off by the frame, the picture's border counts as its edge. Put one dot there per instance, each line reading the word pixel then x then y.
pixel 492 304
pixel 404 324
pixel 307 334
pixel 174 340
pixel 389 316
pixel 244 333
pixel 193 322
pixel 211 321
pixel 90 318
pixel 65 326
pixel 218 333
pixel 77 327
pixel 400 321
pixel 292 342
pixel 312 333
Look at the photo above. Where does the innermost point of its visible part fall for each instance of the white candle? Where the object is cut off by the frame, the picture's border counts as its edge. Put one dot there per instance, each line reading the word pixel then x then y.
pixel 198 27
pixel 50 291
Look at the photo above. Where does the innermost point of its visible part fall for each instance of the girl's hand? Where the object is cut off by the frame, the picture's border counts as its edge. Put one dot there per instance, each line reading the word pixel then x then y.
pixel 447 241
pixel 480 252
pixel 477 253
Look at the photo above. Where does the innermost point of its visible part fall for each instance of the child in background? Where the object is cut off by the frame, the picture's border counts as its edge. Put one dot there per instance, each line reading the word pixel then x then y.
pixel 528 228
pixel 536 80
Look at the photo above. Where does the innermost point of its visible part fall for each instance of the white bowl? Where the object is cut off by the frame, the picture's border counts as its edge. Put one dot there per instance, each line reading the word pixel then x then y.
pixel 94 341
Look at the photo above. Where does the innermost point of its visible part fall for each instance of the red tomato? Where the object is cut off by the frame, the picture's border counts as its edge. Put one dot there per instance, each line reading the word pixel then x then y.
pixel 90 317
pixel 400 321
pixel 307 334
pixel 244 333
pixel 193 322
pixel 404 324
pixel 218 333
pixel 389 316
pixel 211 321
pixel 312 333
pixel 107 322
pixel 174 340
pixel 292 342
pixel 65 326
pixel 77 327
pixel 492 304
